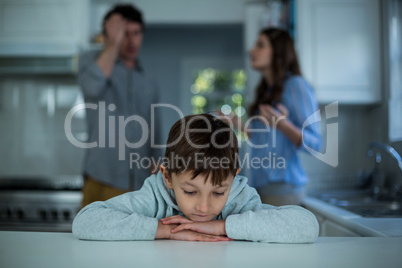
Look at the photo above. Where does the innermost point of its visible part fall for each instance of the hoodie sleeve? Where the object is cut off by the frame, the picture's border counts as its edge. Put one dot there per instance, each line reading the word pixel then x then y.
pixel 125 217
pixel 265 223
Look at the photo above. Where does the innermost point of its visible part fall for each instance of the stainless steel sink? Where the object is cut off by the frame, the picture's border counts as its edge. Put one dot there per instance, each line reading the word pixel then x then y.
pixel 362 203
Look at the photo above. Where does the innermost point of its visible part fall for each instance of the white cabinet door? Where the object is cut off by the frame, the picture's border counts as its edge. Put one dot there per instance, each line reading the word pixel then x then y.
pixel 339 49
pixel 330 228
pixel 46 27
pixel 253 24
pixel 394 63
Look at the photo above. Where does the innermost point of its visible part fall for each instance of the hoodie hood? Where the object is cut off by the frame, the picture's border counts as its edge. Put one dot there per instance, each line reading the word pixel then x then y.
pixel 167 194
pixel 239 195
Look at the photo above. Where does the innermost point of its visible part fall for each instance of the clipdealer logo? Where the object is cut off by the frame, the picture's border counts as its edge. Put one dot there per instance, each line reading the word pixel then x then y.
pixel 122 124
pixel 331 154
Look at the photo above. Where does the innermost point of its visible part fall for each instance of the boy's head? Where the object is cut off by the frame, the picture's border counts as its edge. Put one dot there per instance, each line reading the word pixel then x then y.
pixel 201 161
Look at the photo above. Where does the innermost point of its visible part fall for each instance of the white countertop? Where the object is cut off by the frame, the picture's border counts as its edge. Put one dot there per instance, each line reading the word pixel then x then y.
pixel 362 225
pixel 34 249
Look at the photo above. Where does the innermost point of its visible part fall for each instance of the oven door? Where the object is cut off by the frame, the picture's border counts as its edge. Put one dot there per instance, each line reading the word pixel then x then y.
pixel 38 210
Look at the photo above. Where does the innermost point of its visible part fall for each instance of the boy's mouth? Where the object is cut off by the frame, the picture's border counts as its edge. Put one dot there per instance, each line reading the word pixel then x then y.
pixel 201 217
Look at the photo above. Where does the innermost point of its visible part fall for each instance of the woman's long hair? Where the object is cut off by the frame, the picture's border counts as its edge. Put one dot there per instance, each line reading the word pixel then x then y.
pixel 284 59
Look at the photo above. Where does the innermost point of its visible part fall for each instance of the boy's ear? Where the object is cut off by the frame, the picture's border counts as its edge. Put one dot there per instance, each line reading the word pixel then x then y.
pixel 166 176
pixel 238 171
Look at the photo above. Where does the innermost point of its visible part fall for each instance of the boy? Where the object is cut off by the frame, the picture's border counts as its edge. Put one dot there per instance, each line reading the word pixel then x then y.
pixel 196 196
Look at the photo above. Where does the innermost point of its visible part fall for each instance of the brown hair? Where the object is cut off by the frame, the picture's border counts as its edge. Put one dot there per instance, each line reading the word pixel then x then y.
pixel 284 59
pixel 200 140
pixel 127 11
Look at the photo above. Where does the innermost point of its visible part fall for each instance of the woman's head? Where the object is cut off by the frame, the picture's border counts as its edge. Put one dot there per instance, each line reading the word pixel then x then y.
pixel 273 52
pixel 274 49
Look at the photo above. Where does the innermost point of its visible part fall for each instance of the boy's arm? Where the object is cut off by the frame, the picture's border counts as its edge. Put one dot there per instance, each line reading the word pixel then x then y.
pixel 125 217
pixel 266 223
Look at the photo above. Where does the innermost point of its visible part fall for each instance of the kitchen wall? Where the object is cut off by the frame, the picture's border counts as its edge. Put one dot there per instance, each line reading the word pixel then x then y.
pixel 32 112
pixel 356 130
pixel 30 150
pixel 32 109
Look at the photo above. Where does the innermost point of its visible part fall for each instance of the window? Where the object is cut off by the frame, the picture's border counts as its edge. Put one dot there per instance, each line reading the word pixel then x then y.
pixel 221 89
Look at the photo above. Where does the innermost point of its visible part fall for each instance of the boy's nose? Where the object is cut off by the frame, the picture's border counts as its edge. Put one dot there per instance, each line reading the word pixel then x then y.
pixel 202 206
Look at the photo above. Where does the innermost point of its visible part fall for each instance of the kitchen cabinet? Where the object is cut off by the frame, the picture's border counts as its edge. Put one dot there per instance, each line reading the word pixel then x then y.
pixel 339 49
pixel 329 227
pixel 337 221
pixel 253 24
pixel 393 62
pixel 178 11
pixel 42 27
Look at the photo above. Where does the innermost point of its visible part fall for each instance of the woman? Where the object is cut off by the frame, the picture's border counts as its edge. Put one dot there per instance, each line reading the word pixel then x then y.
pixel 276 127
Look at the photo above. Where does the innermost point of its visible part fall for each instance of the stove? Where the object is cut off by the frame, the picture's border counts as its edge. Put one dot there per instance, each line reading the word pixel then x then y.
pixel 46 205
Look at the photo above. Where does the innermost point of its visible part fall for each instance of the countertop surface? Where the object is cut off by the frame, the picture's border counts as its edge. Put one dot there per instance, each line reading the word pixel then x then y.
pixel 362 225
pixel 35 249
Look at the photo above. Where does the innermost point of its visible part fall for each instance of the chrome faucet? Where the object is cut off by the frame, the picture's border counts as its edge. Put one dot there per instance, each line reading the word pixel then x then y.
pixel 397 188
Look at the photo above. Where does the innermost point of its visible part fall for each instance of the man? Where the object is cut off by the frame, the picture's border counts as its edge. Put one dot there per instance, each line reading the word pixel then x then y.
pixel 114 81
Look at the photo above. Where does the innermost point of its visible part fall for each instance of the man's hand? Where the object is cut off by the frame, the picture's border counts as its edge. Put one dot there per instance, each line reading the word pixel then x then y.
pixel 115 28
pixel 214 227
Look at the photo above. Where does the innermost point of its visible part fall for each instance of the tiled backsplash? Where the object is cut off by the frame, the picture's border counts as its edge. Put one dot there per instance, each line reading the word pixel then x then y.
pixel 33 141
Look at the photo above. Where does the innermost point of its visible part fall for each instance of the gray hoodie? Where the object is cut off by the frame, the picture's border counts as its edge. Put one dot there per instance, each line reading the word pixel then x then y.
pixel 135 215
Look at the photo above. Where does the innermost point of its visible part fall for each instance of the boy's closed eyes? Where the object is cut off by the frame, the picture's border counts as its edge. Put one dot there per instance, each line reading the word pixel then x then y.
pixel 198 199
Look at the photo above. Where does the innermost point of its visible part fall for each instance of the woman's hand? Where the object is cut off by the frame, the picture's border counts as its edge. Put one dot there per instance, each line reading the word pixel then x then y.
pixel 271 116
pixel 279 121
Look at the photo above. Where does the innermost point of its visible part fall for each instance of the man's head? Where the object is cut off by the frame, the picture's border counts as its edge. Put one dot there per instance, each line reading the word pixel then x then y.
pixel 201 161
pixel 134 27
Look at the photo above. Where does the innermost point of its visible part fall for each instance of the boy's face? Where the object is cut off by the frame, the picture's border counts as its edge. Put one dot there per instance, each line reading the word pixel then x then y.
pixel 198 200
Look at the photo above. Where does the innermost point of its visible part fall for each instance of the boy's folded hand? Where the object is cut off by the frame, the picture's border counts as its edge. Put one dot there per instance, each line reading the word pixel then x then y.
pixel 177 219
pixel 187 235
pixel 186 229
pixel 214 227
